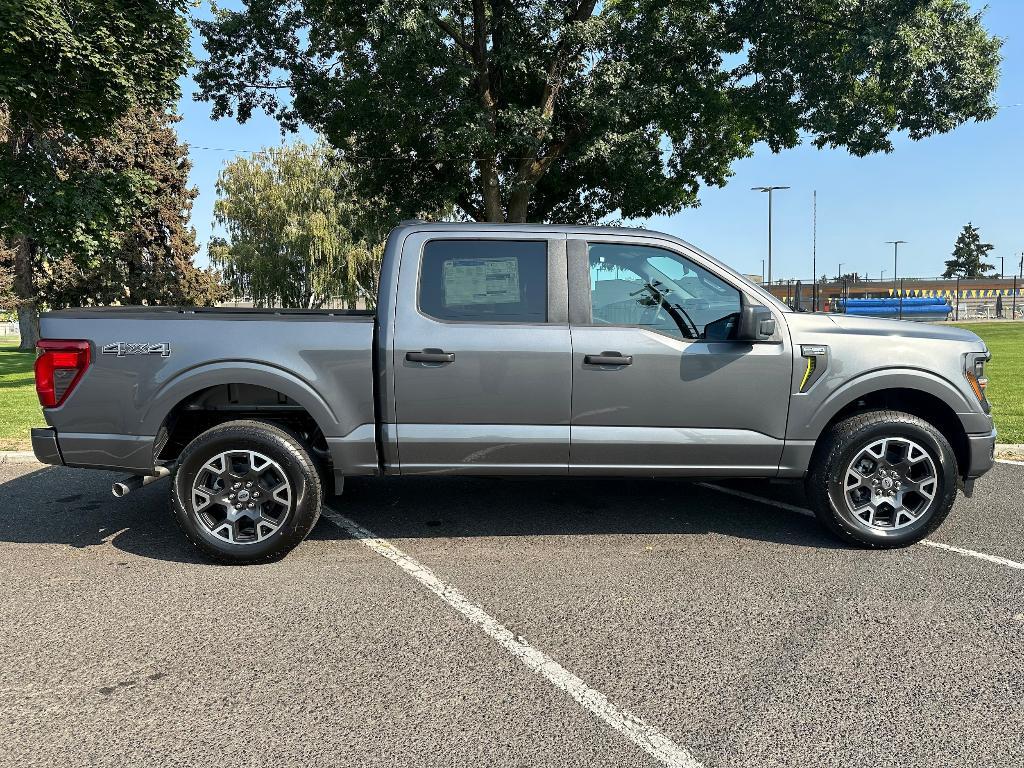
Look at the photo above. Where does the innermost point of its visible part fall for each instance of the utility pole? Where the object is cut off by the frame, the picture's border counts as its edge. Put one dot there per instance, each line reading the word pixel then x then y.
pixel 1002 267
pixel 769 190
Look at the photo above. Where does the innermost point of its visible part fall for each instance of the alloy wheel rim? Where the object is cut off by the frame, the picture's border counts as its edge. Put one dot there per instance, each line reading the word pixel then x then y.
pixel 241 497
pixel 890 484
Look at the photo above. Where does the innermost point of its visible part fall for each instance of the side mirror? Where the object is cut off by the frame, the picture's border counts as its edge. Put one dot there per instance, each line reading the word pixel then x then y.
pixel 756 324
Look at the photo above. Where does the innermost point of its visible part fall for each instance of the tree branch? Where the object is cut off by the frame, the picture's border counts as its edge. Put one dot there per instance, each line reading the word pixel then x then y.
pixel 449 29
pixel 471 210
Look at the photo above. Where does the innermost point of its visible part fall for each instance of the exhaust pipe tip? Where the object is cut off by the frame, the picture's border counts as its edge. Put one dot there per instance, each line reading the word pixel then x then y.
pixel 133 482
pixel 120 489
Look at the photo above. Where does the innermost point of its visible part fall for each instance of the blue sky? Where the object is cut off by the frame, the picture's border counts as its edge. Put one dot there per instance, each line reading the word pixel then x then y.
pixel 923 192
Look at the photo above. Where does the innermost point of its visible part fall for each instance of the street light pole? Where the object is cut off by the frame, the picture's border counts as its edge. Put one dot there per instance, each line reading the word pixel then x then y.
pixel 814 252
pixel 769 190
pixel 895 262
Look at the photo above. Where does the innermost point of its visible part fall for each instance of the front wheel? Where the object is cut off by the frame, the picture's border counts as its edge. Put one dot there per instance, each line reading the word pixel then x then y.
pixel 246 492
pixel 882 479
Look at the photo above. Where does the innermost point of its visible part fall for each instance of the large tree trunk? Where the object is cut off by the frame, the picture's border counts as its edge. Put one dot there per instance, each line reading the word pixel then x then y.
pixel 24 289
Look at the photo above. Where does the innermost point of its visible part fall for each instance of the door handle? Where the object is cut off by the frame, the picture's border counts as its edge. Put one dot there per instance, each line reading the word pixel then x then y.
pixel 430 356
pixel 608 358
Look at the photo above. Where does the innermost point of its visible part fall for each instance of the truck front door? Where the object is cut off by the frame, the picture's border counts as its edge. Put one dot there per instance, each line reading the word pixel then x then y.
pixel 659 384
pixel 482 358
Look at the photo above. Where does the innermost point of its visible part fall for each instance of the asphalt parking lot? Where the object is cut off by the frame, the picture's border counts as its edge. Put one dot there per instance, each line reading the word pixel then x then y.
pixel 638 616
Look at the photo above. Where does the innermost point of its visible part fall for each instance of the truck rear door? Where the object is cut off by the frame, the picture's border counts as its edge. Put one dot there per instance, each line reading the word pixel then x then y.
pixel 482 357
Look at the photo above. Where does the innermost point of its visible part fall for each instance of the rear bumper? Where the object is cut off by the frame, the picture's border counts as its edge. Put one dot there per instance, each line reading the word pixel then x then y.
pixel 982 452
pixel 44 445
pixel 123 453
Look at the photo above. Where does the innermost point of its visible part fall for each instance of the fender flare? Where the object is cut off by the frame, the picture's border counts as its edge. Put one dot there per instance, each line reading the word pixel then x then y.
pixel 187 383
pixel 875 381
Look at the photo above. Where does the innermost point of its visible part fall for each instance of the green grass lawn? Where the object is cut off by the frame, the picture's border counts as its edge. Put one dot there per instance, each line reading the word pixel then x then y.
pixel 19 407
pixel 1006 376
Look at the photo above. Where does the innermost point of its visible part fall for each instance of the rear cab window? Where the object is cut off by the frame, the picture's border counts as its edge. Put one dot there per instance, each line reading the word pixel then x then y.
pixel 497 281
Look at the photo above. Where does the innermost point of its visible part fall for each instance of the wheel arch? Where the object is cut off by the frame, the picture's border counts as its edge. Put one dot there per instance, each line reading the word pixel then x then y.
pixel 926 397
pixel 297 400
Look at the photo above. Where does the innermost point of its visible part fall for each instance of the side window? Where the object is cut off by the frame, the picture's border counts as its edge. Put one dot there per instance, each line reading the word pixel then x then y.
pixel 660 290
pixel 500 281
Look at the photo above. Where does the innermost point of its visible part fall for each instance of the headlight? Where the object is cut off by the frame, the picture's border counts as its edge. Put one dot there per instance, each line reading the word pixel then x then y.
pixel 974 370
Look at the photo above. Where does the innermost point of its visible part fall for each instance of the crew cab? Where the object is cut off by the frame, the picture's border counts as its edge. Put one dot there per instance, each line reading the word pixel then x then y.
pixel 525 350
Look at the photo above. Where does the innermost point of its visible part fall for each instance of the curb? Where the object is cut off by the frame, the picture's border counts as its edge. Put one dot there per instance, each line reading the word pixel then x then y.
pixel 1010 450
pixel 18 457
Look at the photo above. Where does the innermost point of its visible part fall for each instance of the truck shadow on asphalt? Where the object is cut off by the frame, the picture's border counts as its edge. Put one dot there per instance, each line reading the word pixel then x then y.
pixel 75 508
pixel 424 507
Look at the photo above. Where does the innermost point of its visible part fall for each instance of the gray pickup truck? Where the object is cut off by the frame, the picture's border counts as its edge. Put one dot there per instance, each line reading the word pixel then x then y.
pixel 526 350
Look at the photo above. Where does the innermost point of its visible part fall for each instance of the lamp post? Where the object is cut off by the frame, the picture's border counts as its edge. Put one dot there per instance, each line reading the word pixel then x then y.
pixel 769 190
pixel 814 252
pixel 895 262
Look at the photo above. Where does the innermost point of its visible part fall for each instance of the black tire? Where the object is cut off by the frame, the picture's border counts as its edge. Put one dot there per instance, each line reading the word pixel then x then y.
pixel 843 443
pixel 245 541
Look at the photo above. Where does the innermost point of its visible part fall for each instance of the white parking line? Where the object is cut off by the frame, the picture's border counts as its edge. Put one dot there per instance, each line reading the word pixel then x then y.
pixel 649 739
pixel 1010 461
pixel 808 513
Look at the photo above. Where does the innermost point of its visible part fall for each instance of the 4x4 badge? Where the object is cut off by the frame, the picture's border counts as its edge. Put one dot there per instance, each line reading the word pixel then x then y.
pixel 122 348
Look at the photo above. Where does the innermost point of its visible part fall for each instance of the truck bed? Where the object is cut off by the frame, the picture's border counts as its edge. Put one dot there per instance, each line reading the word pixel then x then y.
pixel 143 372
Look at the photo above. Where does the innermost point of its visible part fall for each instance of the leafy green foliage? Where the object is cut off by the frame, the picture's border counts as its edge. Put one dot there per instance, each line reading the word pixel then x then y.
pixel 135 185
pixel 548 110
pixel 69 71
pixel 76 65
pixel 968 255
pixel 299 235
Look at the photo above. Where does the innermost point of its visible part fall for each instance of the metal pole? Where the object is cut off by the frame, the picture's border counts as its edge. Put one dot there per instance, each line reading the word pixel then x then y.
pixel 1013 312
pixel 769 234
pixel 901 298
pixel 957 299
pixel 814 252
pixel 762 272
pixel 895 270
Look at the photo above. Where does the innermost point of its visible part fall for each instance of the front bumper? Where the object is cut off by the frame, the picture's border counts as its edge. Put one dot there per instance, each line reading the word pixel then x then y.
pixel 44 445
pixel 982 452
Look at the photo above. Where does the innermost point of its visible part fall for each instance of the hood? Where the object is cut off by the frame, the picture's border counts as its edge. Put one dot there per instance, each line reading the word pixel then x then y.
pixel 876 326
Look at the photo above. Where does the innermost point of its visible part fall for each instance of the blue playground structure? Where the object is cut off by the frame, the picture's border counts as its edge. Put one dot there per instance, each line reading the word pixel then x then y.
pixel 914 308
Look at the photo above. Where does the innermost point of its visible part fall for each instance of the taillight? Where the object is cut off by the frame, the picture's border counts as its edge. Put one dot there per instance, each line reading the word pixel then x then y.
pixel 59 367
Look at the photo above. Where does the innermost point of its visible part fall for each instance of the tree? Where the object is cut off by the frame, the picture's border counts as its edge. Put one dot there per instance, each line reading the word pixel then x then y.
pixel 7 298
pixel 298 235
pixel 148 242
pixel 69 69
pixel 968 253
pixel 574 109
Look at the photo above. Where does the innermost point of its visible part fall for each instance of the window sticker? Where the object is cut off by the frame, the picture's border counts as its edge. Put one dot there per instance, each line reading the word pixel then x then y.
pixel 481 281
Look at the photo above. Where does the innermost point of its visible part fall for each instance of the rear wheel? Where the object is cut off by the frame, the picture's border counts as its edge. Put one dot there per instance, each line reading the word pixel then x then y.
pixel 882 479
pixel 246 492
